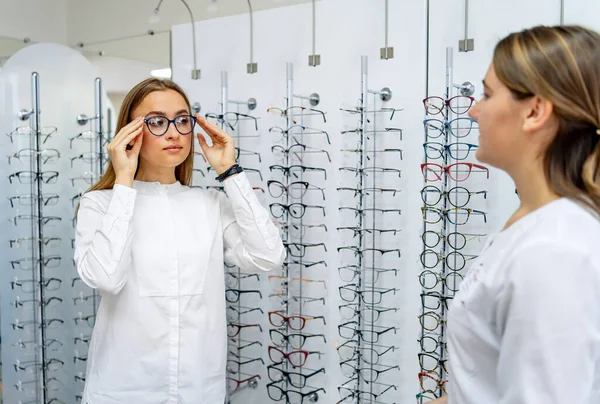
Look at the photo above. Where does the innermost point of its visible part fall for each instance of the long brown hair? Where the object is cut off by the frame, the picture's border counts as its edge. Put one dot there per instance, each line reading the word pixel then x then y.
pixel 184 171
pixel 561 64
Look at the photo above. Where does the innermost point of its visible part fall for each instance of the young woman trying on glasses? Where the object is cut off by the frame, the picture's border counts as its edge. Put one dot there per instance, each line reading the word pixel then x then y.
pixel 154 248
pixel 525 325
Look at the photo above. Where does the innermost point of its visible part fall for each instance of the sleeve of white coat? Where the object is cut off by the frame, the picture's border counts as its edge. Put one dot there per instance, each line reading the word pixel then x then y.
pixel 251 239
pixel 549 325
pixel 103 239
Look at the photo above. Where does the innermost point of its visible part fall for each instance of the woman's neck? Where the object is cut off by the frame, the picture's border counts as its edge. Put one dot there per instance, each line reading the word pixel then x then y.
pixel 164 175
pixel 533 189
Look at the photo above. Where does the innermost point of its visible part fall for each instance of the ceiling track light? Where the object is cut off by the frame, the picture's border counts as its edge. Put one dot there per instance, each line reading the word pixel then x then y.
pixel 155 18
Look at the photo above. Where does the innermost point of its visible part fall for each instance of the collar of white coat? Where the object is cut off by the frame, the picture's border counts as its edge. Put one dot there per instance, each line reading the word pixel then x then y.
pixel 157 187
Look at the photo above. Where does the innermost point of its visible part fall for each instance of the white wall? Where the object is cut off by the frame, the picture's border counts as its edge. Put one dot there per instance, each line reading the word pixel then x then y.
pixel 346 30
pixel 39 20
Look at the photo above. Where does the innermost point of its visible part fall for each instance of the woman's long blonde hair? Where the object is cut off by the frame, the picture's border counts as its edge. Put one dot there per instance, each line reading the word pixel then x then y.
pixel 561 64
pixel 184 171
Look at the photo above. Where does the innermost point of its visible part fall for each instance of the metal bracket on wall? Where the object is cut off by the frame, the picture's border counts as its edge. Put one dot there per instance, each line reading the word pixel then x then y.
pixel 387 52
pixel 314 59
pixel 251 67
pixel 467 44
pixel 466 89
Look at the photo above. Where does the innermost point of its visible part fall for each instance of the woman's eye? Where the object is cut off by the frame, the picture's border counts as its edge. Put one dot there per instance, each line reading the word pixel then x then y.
pixel 183 120
pixel 156 121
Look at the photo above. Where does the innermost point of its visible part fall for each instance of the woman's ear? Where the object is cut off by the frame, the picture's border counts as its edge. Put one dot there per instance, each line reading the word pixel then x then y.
pixel 539 112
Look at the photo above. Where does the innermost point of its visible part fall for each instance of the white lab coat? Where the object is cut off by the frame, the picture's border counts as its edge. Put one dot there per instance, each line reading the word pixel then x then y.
pixel 525 326
pixel 155 253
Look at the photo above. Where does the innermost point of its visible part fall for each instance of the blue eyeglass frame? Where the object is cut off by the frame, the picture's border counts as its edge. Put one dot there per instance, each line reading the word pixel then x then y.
pixel 171 121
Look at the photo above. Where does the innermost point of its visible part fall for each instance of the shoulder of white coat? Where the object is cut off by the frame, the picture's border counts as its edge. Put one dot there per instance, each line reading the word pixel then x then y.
pixel 571 225
pixel 101 198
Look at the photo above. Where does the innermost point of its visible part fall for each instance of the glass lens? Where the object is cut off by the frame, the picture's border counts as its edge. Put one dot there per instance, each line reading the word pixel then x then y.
pixel 276 189
pixel 461 104
pixel 296 341
pixel 462 127
pixel 459 197
pixel 460 151
pixel 430 238
pixel 429 322
pixel 429 259
pixel 275 393
pixel 275 355
pixel 348 369
pixel 298 189
pixel 296 210
pixel 276 319
pixel 369 315
pixel 347 331
pixel 296 323
pixel 232 296
pixel 278 152
pixel 434 105
pixel 294 397
pixel 297 380
pixel 277 338
pixel 456 261
pixel 368 374
pixel 26 177
pixel 434 128
pixel 460 172
pixel 348 294
pixel 232 330
pixel 428 362
pixel 297 359
pixel 275 374
pixel 458 216
pixel 434 150
pixel 431 301
pixel 348 312
pixel 157 125
pixel 432 172
pixel 277 210
pixel 453 280
pixel 431 195
pixel 347 351
pixel 53 284
pixel 184 124
pixel 428 279
pixel 372 297
pixel 429 344
pixel 347 274
pixel 457 240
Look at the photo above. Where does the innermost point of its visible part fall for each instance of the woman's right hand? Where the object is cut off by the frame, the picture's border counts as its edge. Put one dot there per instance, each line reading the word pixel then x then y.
pixel 124 160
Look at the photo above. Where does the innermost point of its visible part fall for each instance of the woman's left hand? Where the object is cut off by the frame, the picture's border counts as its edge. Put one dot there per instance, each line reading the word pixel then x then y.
pixel 221 155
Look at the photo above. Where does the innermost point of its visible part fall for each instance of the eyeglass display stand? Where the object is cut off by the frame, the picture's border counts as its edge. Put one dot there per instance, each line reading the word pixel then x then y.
pixel 86 300
pixel 288 222
pixel 367 264
pixel 38 316
pixel 235 345
pixel 440 376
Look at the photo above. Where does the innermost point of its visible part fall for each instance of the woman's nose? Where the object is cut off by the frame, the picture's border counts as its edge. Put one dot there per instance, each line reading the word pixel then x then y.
pixel 474 111
pixel 172 132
